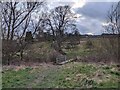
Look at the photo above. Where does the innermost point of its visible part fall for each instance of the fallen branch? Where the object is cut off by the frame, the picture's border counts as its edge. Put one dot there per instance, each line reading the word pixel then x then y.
pixel 67 61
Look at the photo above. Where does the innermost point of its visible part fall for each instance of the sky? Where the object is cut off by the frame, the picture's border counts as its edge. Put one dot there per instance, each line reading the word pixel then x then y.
pixel 92 14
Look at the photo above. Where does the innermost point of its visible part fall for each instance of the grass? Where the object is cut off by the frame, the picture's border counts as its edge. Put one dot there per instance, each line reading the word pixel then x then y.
pixel 20 78
pixel 68 75
pixel 77 51
pixel 71 75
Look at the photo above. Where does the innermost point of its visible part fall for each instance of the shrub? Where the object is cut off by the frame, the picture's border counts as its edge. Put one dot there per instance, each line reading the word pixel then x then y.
pixel 89 44
pixel 9 49
pixel 110 47
pixel 107 48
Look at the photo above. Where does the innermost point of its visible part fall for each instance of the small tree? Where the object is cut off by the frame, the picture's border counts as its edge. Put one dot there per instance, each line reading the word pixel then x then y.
pixel 29 37
pixel 113 19
pixel 77 36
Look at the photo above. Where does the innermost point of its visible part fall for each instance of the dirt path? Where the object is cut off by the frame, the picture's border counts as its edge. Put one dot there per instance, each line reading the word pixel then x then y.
pixel 42 75
pixel 43 71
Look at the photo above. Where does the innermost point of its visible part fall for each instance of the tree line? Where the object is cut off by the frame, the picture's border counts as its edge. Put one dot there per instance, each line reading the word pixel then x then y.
pixel 18 18
pixel 21 17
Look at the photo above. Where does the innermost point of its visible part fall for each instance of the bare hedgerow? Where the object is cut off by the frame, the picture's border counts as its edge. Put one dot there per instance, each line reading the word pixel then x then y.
pixel 111 41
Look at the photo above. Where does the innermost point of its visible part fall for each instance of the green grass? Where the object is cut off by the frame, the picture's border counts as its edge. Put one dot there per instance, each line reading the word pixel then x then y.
pixel 20 78
pixel 71 75
pixel 59 79
pixel 79 51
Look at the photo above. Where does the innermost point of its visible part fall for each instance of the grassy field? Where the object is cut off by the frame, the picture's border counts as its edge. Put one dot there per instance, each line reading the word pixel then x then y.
pixel 79 74
pixel 71 75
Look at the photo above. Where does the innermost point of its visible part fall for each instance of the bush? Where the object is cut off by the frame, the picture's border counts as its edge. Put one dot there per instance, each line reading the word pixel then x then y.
pixel 9 49
pixel 107 48
pixel 40 52
pixel 110 47
pixel 89 44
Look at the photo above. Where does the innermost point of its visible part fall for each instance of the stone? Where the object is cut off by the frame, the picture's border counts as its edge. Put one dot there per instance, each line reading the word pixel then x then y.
pixel 60 58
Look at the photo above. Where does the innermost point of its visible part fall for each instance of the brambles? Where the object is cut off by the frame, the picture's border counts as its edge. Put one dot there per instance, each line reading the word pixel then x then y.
pixel 89 44
pixel 29 37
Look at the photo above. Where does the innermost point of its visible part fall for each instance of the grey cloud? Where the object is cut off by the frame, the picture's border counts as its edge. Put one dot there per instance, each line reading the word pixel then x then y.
pixel 96 10
pixel 82 29
pixel 90 25
pixel 95 14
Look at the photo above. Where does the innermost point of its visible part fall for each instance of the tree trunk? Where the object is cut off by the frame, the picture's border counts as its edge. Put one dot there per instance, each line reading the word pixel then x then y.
pixel 21 55
pixel 8 59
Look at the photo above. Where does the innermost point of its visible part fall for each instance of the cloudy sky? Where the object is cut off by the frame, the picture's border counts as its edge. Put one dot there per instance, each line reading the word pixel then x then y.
pixel 92 13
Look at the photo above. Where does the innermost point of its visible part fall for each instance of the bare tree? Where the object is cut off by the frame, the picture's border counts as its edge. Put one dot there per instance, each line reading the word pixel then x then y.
pixel 111 44
pixel 60 19
pixel 15 14
pixel 38 26
pixel 113 19
pixel 16 17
